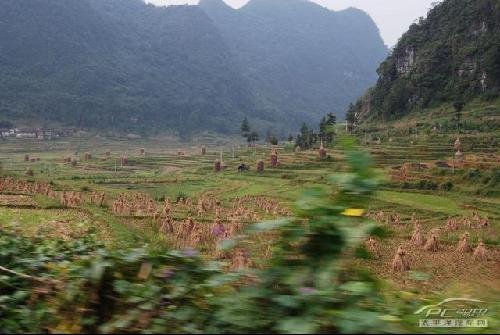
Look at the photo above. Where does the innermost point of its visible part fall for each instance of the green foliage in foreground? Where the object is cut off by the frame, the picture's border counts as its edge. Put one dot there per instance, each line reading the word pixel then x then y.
pixel 307 287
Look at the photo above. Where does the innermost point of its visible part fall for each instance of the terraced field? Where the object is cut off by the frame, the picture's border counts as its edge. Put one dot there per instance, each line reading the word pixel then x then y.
pixel 171 169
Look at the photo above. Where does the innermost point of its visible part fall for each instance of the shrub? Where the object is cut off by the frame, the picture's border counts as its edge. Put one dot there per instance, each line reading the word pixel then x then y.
pixel 472 174
pixel 448 186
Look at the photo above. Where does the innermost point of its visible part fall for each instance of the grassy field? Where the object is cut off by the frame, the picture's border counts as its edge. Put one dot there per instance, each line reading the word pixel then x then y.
pixel 172 169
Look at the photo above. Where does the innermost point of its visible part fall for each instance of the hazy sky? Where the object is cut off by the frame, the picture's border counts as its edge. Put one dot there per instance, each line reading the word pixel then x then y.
pixel 393 17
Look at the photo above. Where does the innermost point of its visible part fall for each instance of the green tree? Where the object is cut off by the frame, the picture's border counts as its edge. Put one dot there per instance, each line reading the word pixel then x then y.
pixel 326 128
pixel 351 117
pixel 458 106
pixel 245 127
pixel 253 137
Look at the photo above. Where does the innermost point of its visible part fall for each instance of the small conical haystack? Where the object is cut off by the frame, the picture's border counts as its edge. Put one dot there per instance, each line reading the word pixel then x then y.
pixel 400 263
pixel 417 238
pixel 414 219
pixel 432 243
pixel 241 261
pixel 484 223
pixel 203 150
pixel 124 161
pixel 274 158
pixel 218 166
pixel 167 226
pixel 218 228
pixel 463 244
pixel 87 156
pixel 480 254
pixel 458 145
pixel 26 158
pixel 260 166
pixel 142 151
pixel 322 151
pixel 371 245
pixel 451 225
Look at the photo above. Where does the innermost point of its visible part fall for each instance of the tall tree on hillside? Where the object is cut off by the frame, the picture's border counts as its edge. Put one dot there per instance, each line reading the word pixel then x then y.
pixel 458 106
pixel 271 138
pixel 326 130
pixel 351 117
pixel 245 127
pixel 253 137
pixel 307 137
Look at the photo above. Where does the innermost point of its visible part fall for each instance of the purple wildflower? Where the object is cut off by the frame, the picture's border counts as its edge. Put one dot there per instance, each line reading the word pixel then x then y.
pixel 190 253
pixel 307 290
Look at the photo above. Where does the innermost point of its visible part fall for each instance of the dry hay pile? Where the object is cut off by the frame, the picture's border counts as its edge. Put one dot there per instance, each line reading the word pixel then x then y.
pixel 469 222
pixel 418 238
pixel 16 200
pixel 481 254
pixel 432 243
pixel 241 260
pixel 274 159
pixel 400 263
pixel 443 261
pixel 463 244
pixel 378 216
pixel 192 234
pixel 71 199
pixel 372 246
pixel 246 205
pixel 12 185
pixel 139 204
pixel 98 199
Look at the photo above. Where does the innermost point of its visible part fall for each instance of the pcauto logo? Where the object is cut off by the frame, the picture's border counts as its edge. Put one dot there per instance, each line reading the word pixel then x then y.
pixel 454 313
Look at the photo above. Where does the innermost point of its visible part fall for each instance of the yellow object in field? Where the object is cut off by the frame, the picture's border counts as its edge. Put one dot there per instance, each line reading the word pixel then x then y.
pixel 353 212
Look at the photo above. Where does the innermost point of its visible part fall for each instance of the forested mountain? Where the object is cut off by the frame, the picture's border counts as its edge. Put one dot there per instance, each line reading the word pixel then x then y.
pixel 302 60
pixel 453 55
pixel 128 65
pixel 117 63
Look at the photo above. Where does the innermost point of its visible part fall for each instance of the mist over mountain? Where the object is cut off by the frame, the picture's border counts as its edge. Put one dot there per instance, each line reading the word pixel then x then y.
pixel 127 65
pixel 302 60
pixel 451 56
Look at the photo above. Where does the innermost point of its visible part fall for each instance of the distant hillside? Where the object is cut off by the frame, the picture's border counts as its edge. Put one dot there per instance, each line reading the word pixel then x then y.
pixel 132 66
pixel 117 63
pixel 302 60
pixel 452 55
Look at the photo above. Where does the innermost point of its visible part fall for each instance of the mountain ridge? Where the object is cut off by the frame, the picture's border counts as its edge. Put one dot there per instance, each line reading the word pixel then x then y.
pixel 320 44
pixel 128 65
pixel 453 55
